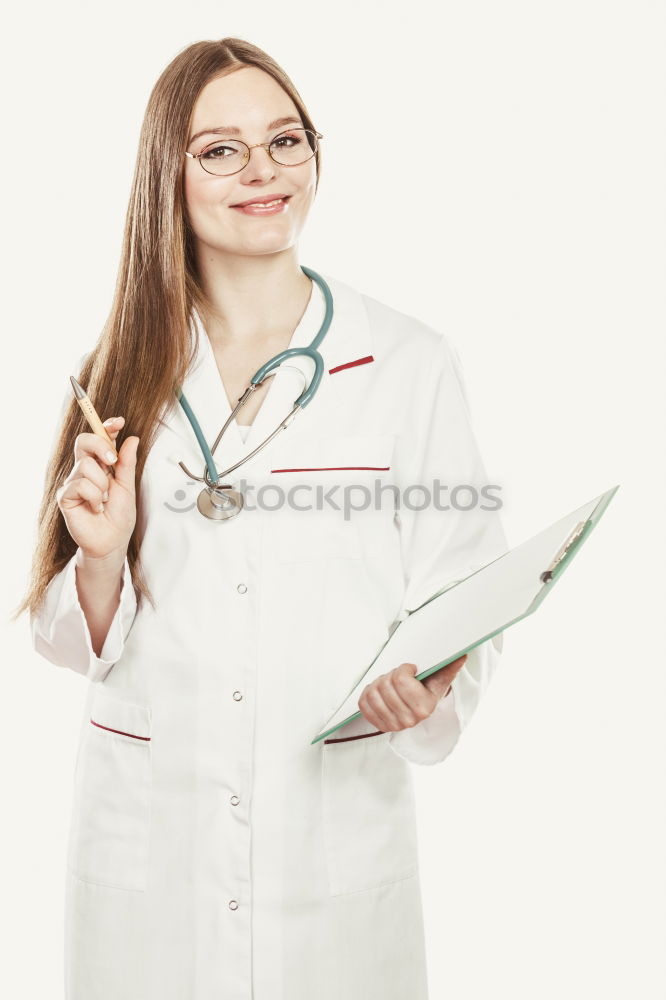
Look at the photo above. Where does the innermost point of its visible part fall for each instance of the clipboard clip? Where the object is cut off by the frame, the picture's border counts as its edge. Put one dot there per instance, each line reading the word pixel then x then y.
pixel 563 551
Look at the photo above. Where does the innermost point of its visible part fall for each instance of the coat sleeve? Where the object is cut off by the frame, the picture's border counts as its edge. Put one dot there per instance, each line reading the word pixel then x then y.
pixel 59 628
pixel 60 631
pixel 445 545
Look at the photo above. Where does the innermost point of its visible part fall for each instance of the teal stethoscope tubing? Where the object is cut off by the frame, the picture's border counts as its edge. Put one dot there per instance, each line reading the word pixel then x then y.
pixel 265 370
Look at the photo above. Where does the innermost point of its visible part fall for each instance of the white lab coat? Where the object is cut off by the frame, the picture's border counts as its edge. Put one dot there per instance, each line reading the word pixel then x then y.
pixel 214 852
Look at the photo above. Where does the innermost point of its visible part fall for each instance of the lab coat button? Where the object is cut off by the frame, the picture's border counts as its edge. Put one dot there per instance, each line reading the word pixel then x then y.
pixel 234 800
pixel 241 588
pixel 233 905
pixel 237 696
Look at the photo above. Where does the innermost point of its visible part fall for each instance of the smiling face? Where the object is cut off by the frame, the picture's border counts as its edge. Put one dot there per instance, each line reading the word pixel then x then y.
pixel 249 100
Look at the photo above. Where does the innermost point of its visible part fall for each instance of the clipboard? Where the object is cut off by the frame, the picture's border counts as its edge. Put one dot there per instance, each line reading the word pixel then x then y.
pixel 469 611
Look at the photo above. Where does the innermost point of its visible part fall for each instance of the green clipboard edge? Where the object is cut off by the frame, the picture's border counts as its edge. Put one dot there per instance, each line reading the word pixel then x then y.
pixel 557 571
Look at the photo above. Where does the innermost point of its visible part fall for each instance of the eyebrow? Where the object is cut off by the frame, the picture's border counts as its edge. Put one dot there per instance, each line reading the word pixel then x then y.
pixel 233 130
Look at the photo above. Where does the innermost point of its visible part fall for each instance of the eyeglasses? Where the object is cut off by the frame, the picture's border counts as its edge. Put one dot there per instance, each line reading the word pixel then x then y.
pixel 289 149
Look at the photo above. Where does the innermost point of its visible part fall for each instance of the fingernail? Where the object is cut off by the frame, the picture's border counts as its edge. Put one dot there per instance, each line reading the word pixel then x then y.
pixel 105 495
pixel 111 456
pixel 101 507
pixel 109 421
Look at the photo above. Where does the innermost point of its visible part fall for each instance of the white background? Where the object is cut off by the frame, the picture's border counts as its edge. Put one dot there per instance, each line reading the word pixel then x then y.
pixel 529 224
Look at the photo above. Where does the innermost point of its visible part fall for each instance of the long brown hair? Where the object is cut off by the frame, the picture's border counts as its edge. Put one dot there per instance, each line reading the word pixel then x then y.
pixel 146 345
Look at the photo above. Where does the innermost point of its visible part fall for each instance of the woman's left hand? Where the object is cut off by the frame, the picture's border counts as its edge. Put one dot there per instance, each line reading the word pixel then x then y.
pixel 397 700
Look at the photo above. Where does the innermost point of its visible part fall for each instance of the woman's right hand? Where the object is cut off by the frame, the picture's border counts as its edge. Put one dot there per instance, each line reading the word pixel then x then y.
pixel 100 526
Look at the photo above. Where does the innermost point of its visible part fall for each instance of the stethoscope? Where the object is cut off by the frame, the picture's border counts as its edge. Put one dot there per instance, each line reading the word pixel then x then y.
pixel 220 502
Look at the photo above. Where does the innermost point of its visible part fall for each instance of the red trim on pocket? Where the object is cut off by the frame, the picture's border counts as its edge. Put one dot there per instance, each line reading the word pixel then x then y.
pixel 338 468
pixel 363 736
pixel 119 731
pixel 351 364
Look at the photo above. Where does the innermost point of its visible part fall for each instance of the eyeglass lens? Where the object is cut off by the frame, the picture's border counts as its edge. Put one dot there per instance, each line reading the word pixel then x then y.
pixel 289 148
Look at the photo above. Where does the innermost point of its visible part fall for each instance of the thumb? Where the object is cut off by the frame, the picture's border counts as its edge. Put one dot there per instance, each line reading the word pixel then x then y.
pixel 126 465
pixel 438 683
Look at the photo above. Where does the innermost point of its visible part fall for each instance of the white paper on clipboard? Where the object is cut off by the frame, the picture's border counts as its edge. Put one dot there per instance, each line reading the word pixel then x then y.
pixel 472 610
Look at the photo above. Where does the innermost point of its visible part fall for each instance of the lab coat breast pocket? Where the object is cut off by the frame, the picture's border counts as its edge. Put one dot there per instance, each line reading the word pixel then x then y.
pixel 329 488
pixel 110 827
pixel 369 821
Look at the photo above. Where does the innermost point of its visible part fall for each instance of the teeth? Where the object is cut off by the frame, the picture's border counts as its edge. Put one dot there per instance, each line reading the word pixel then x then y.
pixel 265 204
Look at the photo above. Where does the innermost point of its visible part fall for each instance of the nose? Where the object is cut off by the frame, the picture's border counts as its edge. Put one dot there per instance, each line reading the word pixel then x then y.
pixel 260 165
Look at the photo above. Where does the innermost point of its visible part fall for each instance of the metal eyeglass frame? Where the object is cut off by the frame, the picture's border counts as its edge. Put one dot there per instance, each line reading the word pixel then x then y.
pixel 265 145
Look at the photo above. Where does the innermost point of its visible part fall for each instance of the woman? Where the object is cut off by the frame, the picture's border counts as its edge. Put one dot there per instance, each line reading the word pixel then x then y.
pixel 215 851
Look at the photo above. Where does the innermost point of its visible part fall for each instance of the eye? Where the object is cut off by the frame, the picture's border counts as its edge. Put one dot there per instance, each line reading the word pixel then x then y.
pixel 219 152
pixel 287 141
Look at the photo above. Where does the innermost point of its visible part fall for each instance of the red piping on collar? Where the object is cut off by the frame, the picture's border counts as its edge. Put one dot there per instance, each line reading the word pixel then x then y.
pixel 351 364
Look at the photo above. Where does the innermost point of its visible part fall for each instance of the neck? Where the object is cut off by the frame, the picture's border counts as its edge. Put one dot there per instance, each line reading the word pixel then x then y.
pixel 252 298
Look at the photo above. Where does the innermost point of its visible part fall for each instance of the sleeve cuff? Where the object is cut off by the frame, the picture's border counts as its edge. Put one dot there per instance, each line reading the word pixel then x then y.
pixel 60 630
pixel 433 739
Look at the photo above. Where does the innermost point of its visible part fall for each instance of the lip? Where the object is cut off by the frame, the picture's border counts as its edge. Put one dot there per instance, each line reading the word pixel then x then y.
pixel 260 201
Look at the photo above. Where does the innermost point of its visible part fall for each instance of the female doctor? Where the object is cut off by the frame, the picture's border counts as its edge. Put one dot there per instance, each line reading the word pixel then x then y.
pixel 215 851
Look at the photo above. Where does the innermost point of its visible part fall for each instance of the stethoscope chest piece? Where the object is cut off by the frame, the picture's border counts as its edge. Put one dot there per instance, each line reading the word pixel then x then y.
pixel 220 504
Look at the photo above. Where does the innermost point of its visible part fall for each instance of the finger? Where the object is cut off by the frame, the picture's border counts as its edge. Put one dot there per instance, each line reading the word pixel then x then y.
pixel 412 691
pixel 437 683
pixel 453 668
pixel 366 708
pixel 88 444
pixel 80 491
pixel 405 698
pixel 89 468
pixel 370 715
pixel 381 712
pixel 440 681
pixel 113 426
pixel 125 469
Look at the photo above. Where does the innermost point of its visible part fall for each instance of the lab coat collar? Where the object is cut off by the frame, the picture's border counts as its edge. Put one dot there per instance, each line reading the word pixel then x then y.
pixel 347 343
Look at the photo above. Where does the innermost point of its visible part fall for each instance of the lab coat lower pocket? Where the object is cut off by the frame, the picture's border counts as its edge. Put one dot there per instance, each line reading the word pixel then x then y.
pixel 369 822
pixel 110 826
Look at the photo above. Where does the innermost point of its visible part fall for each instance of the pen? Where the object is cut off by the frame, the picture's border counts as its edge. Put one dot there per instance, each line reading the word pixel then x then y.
pixel 90 413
